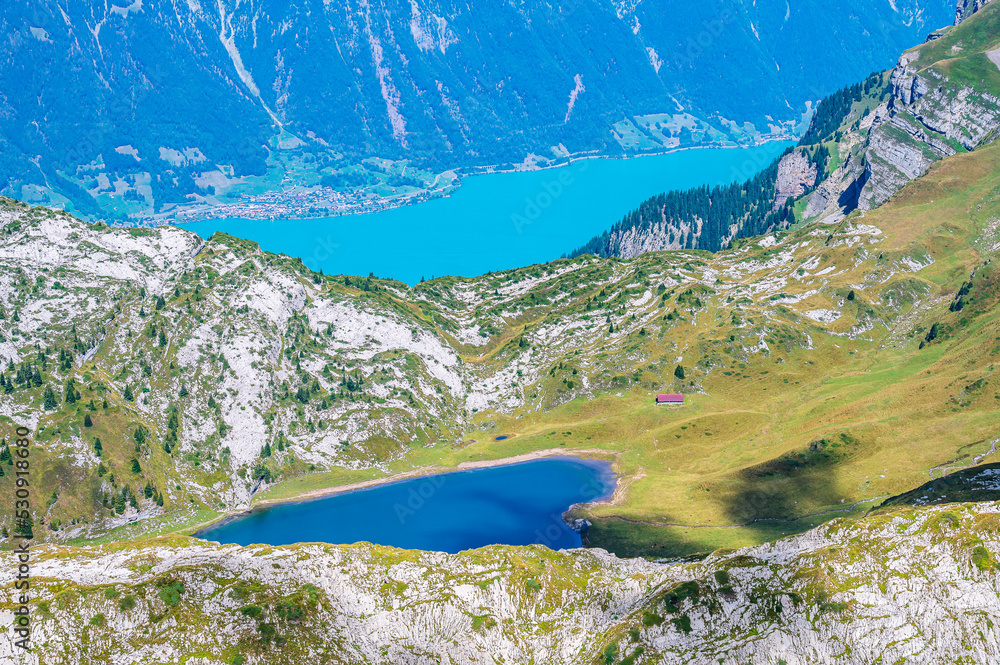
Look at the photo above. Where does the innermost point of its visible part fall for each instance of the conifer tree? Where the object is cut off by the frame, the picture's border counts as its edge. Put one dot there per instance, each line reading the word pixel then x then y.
pixel 50 399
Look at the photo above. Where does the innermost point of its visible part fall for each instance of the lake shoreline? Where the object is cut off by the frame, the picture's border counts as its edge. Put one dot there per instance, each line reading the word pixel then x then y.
pixel 580 156
pixel 495 222
pixel 463 172
pixel 584 455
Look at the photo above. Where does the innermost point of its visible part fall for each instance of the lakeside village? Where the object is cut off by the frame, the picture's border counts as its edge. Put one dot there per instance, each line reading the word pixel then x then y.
pixel 297 202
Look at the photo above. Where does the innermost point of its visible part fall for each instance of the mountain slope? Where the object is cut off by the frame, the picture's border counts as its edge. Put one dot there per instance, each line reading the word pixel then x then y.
pixel 945 99
pixel 167 102
pixel 863 145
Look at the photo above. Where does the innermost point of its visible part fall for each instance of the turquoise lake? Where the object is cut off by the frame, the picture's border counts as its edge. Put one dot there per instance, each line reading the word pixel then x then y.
pixel 495 221
pixel 513 504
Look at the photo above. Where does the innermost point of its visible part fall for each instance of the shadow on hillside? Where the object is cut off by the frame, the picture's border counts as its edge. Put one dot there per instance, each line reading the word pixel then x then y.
pixel 778 489
pixel 767 501
pixel 977 483
pixel 762 502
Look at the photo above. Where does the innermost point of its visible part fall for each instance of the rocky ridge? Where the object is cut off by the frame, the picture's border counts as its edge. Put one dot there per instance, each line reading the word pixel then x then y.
pixel 932 112
pixel 934 109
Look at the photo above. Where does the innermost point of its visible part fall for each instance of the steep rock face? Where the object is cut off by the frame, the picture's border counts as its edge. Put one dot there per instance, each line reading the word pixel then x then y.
pixel 967 8
pixel 826 199
pixel 923 583
pixel 665 234
pixel 936 109
pixel 796 174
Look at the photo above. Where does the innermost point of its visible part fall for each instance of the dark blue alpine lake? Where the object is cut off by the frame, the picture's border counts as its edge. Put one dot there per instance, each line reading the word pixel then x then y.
pixel 514 504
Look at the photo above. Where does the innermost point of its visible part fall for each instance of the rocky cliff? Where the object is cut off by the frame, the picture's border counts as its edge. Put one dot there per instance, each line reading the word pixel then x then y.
pixel 945 99
pixel 796 175
pixel 941 99
pixel 967 8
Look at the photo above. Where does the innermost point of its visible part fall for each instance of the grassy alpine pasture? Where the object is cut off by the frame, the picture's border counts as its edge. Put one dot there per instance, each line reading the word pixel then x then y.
pixel 825 369
pixel 780 442
pixel 774 443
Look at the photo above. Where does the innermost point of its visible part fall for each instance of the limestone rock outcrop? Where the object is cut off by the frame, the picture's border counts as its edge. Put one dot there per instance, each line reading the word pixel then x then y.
pixel 796 175
pixel 967 8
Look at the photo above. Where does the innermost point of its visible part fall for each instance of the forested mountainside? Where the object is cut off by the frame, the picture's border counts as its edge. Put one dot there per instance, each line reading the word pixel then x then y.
pixel 923 583
pixel 167 101
pixel 864 143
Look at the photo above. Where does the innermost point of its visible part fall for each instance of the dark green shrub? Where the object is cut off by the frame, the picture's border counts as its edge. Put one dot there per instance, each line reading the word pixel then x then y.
pixel 252 611
pixel 981 558
pixel 651 619
pixel 171 592
pixel 289 610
